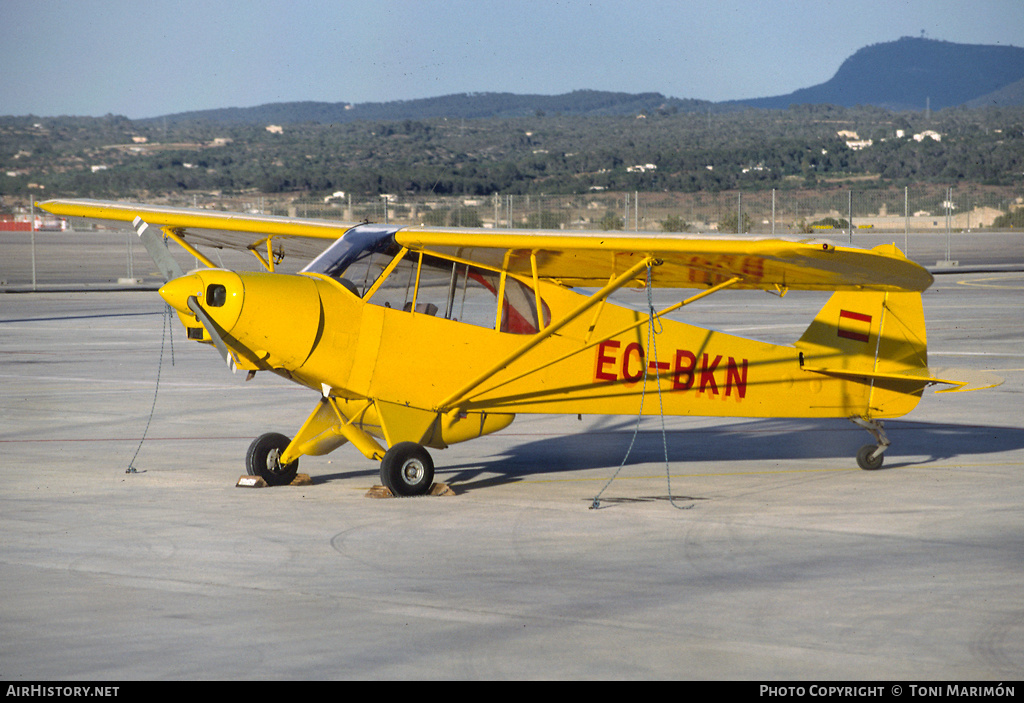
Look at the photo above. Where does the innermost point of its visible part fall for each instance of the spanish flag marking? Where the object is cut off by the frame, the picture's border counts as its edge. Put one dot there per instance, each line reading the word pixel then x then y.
pixel 854 325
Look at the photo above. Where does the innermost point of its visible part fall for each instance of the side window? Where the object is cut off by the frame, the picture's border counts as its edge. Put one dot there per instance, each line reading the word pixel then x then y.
pixel 437 283
pixel 475 301
pixel 519 313
pixel 397 289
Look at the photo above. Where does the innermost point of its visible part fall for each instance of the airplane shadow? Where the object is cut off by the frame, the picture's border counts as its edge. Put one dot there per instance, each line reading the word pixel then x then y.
pixel 604 446
pixel 913 443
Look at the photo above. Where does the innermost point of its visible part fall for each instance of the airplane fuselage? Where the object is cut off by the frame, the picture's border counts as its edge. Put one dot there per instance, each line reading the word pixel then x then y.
pixel 316 332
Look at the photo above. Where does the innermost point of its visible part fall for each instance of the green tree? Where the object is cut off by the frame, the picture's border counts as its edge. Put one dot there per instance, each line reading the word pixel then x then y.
pixel 831 223
pixel 545 219
pixel 1011 220
pixel 611 221
pixel 465 217
pixel 727 225
pixel 674 223
pixel 436 218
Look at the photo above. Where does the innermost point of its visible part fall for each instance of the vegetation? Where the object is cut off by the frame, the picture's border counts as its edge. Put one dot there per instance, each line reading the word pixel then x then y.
pixel 831 223
pixel 1011 220
pixel 674 223
pixel 658 151
pixel 611 221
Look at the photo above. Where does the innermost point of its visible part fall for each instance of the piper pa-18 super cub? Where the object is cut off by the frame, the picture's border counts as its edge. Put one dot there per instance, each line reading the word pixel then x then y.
pixel 417 338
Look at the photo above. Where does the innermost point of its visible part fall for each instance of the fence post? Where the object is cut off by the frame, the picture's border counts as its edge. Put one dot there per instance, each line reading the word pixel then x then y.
pixel 32 227
pixel 739 212
pixel 850 211
pixel 906 220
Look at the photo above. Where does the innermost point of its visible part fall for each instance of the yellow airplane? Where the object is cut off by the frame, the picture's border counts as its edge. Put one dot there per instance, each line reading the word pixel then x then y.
pixel 423 337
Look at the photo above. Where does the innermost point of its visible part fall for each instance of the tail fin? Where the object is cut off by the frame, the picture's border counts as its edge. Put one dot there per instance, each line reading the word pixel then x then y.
pixel 878 338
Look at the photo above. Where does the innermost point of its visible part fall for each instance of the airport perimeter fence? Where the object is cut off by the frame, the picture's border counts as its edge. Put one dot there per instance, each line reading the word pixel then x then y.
pixel 779 212
pixel 49 258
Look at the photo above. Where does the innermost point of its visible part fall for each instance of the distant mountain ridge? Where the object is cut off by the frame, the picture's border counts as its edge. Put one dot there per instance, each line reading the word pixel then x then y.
pixel 458 106
pixel 906 74
pixel 914 74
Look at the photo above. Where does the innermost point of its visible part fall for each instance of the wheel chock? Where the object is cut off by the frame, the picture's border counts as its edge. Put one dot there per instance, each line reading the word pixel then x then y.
pixel 258 482
pixel 380 492
pixel 440 489
pixel 436 489
pixel 251 482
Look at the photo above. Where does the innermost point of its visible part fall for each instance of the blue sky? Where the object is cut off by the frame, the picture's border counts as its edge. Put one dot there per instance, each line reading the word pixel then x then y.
pixel 149 58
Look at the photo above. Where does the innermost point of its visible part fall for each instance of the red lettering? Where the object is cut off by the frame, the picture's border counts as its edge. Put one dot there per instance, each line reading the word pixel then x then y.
pixel 630 348
pixel 683 372
pixel 698 269
pixel 734 377
pixel 707 374
pixel 753 267
pixel 603 359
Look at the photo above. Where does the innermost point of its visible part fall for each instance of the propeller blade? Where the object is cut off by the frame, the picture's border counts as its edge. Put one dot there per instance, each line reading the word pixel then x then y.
pixel 158 250
pixel 213 330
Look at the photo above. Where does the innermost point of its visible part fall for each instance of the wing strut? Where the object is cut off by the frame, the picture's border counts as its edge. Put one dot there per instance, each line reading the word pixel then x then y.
pixel 175 234
pixel 453 400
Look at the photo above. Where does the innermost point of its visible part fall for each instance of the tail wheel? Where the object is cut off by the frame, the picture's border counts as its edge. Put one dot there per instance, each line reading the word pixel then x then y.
pixel 866 461
pixel 264 460
pixel 407 469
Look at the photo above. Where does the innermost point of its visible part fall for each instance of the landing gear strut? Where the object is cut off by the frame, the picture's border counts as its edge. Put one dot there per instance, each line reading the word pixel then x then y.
pixel 869 457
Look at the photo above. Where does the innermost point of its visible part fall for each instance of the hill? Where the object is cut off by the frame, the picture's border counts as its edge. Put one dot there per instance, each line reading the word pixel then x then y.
pixel 913 74
pixel 583 103
pixel 1011 95
pixel 908 74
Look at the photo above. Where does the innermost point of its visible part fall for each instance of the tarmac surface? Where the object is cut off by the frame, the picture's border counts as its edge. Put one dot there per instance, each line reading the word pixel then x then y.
pixel 762 552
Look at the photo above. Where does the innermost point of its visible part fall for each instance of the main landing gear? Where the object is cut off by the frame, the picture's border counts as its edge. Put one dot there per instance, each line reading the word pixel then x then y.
pixel 406 470
pixel 264 460
pixel 869 457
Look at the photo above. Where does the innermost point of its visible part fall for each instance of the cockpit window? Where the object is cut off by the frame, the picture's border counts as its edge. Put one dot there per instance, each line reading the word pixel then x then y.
pixel 358 257
pixel 457 291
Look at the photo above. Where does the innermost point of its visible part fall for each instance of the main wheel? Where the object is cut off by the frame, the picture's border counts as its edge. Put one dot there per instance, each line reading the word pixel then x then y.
pixel 407 469
pixel 264 460
pixel 865 460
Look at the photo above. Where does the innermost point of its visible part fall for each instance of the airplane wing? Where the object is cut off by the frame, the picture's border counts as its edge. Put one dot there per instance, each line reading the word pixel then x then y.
pixel 685 261
pixel 304 238
pixel 575 259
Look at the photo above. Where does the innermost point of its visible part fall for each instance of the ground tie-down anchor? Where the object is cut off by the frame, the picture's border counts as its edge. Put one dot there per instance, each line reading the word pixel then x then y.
pixel 652 346
pixel 869 456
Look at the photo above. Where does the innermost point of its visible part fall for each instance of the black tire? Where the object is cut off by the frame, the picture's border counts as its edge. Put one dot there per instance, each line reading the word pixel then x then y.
pixel 262 460
pixel 864 459
pixel 407 470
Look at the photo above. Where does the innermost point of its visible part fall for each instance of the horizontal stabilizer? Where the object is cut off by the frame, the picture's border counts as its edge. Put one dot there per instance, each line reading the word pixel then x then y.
pixel 965 380
pixel 968 380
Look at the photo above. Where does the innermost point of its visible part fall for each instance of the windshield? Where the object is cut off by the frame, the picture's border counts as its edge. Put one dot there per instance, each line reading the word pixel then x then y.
pixel 427 284
pixel 358 257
